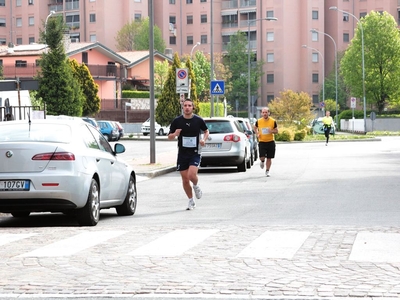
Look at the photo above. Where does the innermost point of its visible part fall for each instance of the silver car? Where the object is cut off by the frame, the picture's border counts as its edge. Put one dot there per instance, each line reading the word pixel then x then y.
pixel 62 165
pixel 227 144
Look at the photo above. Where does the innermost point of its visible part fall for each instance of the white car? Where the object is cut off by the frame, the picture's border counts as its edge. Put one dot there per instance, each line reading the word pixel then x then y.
pixel 227 144
pixel 160 130
pixel 63 165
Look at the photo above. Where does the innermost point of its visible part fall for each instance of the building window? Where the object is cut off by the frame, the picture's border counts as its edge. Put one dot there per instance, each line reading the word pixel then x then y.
pixel 314 57
pixel 2 2
pixel 93 38
pixel 20 64
pixel 32 40
pixel 171 1
pixel 270 78
pixel 189 40
pixel 189 19
pixel 37 62
pixel 18 22
pixel 2 22
pixel 138 1
pixel 270 98
pixel 172 40
pixel 72 21
pixel 315 14
pixel 19 41
pixel 315 77
pixel 30 2
pixel 18 3
pixel 31 21
pixel 270 13
pixel 203 39
pixel 203 18
pixel 270 36
pixel 71 4
pixel 172 19
pixel 363 14
pixel 345 17
pixel 314 36
pixel 203 1
pixel 92 18
pixel 138 17
pixel 85 58
pixel 2 41
pixel 189 1
pixel 346 37
pixel 230 21
pixel 270 57
pixel 75 37
pixel 315 99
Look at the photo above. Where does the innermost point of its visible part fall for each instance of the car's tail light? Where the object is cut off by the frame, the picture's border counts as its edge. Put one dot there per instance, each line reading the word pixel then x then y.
pixel 232 138
pixel 54 156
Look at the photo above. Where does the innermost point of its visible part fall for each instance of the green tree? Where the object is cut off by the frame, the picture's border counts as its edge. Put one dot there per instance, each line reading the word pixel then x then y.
pixel 202 71
pixel 192 85
pixel 57 85
pixel 381 60
pixel 291 107
pixel 237 59
pixel 168 105
pixel 91 103
pixel 160 74
pixel 135 36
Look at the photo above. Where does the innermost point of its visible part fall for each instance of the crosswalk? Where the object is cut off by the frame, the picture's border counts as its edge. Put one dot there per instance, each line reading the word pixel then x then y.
pixel 269 244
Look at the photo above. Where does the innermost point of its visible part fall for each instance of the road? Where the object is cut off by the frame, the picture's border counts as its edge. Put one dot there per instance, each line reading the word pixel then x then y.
pixel 325 224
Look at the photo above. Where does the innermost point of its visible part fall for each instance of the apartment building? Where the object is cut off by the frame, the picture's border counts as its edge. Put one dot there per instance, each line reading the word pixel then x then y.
pixel 184 23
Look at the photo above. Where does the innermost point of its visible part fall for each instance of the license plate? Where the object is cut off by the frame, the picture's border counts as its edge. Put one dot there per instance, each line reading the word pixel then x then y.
pixel 215 145
pixel 14 185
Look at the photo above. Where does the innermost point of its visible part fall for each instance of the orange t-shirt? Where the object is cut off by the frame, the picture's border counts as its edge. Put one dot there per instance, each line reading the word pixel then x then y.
pixel 264 128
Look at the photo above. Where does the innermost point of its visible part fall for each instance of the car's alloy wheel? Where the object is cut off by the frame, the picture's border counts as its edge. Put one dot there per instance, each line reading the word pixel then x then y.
pixel 89 215
pixel 129 206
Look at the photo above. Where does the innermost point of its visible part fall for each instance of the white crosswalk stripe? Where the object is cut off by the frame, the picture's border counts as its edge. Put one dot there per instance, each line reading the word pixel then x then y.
pixel 73 244
pixel 6 238
pixel 275 244
pixel 174 243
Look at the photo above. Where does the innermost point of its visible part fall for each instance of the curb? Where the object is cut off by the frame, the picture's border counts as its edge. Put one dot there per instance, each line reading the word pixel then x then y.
pixel 155 173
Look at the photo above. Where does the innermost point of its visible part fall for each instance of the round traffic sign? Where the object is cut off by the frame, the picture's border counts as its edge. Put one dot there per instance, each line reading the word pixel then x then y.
pixel 182 74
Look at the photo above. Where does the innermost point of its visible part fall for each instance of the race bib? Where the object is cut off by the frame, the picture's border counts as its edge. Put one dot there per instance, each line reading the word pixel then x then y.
pixel 189 141
pixel 265 130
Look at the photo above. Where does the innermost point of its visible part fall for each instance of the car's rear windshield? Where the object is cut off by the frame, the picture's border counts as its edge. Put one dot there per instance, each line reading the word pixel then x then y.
pixel 19 132
pixel 217 126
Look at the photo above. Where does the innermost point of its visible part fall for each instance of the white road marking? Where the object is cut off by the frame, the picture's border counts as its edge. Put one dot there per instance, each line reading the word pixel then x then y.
pixel 376 247
pixel 174 243
pixel 9 238
pixel 275 244
pixel 73 244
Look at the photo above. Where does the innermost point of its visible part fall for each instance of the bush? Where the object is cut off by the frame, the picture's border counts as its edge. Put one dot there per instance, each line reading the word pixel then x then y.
pixel 300 135
pixel 285 135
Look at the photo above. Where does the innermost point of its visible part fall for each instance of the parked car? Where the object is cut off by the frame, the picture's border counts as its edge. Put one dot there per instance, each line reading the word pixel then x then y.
pixel 63 165
pixel 249 130
pixel 227 144
pixel 318 127
pixel 109 130
pixel 120 130
pixel 91 121
pixel 160 130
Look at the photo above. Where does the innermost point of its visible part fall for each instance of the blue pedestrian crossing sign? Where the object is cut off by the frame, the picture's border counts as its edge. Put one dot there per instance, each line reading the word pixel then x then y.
pixel 217 87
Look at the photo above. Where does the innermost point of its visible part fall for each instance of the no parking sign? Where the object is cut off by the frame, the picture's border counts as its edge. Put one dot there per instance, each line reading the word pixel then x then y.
pixel 182 81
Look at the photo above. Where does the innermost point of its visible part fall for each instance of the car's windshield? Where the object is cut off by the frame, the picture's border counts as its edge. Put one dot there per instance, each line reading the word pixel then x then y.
pixel 18 132
pixel 219 126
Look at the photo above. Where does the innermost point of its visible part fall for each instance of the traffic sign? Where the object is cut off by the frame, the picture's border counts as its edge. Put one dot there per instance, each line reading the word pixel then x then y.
pixel 352 102
pixel 217 87
pixel 182 78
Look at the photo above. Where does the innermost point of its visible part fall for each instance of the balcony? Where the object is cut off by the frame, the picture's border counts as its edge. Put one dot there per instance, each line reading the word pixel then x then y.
pixel 231 4
pixel 248 3
pixel 102 72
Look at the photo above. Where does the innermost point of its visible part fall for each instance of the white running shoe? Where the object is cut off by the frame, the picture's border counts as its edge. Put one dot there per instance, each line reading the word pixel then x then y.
pixel 261 164
pixel 267 173
pixel 191 205
pixel 197 191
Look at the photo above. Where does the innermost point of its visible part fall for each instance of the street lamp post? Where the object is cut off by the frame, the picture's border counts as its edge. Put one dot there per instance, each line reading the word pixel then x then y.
pixel 52 12
pixel 323 70
pixel 248 62
pixel 191 52
pixel 336 70
pixel 363 62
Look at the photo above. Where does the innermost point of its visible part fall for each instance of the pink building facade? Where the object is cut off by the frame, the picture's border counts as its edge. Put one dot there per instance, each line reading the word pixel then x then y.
pixel 184 23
